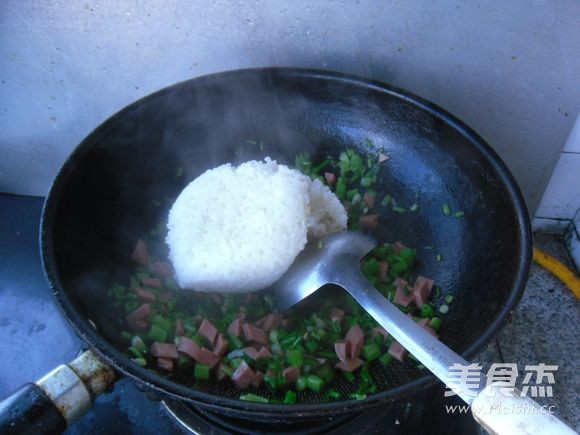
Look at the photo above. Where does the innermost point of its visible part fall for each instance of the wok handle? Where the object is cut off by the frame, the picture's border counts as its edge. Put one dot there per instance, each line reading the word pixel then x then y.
pixel 516 415
pixel 57 399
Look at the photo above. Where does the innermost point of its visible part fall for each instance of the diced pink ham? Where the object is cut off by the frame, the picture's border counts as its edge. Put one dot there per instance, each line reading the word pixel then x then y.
pixel 221 345
pixel 342 349
pixel 179 328
pixel 422 290
pixel 291 374
pixel 165 364
pixel 369 221
pixel 403 296
pixel 383 271
pixel 140 254
pixel 337 315
pixel 256 355
pixel 271 321
pixel 162 269
pixel 423 322
pixel 382 331
pixel 330 178
pixel 253 334
pixel 258 378
pixel 189 348
pixel 144 295
pixel 356 337
pixel 151 282
pixel 164 350
pixel 350 365
pixel 235 327
pixel 263 353
pixel 369 200
pixel 251 351
pixel 383 158
pixel 243 376
pixel 208 330
pixel 208 358
pixel 397 351
pixel 138 319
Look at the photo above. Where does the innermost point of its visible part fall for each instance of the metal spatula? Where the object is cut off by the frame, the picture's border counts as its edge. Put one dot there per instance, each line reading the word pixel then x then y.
pixel 335 259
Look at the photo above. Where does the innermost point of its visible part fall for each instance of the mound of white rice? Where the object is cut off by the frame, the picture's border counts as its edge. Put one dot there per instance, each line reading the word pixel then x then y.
pixel 238 229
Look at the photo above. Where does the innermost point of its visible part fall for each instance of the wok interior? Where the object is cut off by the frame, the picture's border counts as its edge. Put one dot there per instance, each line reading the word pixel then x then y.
pixel 104 193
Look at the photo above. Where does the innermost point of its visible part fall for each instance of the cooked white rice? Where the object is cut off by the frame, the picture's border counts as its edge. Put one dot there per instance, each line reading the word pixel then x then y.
pixel 238 229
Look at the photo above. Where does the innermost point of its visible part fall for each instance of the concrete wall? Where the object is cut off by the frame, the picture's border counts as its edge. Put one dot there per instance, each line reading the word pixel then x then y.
pixel 507 68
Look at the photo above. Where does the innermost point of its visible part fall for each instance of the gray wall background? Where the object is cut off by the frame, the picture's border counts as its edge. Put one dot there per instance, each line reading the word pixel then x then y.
pixel 508 68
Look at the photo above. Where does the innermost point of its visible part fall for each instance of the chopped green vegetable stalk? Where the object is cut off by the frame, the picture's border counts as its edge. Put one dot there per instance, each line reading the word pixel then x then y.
pixel 385 359
pixel 290 397
pixel 295 357
pixel 446 209
pixel 315 383
pixel 435 323
pixel 459 214
pixel 254 398
pixel 371 351
pixel 201 371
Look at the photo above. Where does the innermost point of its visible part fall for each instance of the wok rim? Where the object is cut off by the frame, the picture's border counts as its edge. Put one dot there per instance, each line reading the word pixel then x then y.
pixel 174 390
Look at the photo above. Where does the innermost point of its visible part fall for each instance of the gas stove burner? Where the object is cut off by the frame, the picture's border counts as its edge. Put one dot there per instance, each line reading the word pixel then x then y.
pixel 199 421
pixel 395 418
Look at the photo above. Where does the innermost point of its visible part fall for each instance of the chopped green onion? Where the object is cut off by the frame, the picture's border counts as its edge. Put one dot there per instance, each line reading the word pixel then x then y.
pixel 439 257
pixel 325 372
pixel 138 343
pixel 427 310
pixel 399 210
pixel 386 200
pixel 358 396
pixel 235 342
pixel 274 335
pixel 179 172
pixel 332 394
pixel 371 351
pixel 135 352
pixel 311 346
pixel 340 187
pixel 349 377
pixel 201 371
pixel 446 209
pixel 254 398
pixel 459 214
pixel 448 299
pixel 414 207
pixel 295 357
pixel 444 309
pixel 301 383
pixel 157 334
pixel 315 383
pixel 385 359
pixel 435 323
pixel 140 361
pixel 366 182
pixel 290 397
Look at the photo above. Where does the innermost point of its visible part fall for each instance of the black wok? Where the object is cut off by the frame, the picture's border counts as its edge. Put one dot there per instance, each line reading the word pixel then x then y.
pixel 101 201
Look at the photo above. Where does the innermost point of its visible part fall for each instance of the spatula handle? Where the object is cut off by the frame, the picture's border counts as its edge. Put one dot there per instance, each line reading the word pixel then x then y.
pixel 432 353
